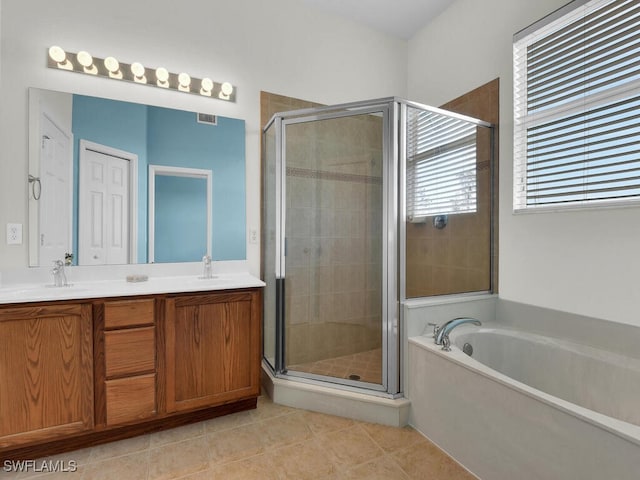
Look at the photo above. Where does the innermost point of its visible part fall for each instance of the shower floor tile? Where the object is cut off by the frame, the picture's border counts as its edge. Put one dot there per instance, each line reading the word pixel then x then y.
pixel 366 366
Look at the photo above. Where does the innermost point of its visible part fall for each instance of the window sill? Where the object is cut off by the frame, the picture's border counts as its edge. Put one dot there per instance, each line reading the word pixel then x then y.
pixel 594 205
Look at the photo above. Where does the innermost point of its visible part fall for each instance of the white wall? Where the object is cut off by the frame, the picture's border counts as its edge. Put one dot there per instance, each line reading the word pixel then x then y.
pixel 585 262
pixel 281 46
pixel 0 45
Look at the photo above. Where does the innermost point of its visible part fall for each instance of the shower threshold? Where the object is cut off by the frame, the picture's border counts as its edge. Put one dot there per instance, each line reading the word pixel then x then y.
pixel 374 407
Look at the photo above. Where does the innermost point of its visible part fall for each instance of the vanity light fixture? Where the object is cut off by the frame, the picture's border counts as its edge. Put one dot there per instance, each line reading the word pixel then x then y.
pixel 184 82
pixel 113 67
pixel 138 71
pixel 59 56
pixel 206 86
pixel 86 60
pixel 110 67
pixel 226 89
pixel 162 77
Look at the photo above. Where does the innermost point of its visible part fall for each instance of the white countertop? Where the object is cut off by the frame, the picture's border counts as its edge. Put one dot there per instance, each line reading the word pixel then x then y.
pixel 82 285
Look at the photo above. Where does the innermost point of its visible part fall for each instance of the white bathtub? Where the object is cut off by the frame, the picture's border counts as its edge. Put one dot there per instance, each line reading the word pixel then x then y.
pixel 528 406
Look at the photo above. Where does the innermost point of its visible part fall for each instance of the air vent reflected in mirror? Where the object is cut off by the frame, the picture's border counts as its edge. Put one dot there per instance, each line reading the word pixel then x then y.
pixel 207 118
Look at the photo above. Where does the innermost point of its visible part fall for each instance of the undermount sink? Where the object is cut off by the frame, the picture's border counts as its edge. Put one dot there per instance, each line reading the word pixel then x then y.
pixel 187 279
pixel 38 291
pixel 190 282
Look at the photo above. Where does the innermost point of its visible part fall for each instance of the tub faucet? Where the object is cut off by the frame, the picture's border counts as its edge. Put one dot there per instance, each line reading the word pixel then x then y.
pixel 207 269
pixel 442 333
pixel 59 276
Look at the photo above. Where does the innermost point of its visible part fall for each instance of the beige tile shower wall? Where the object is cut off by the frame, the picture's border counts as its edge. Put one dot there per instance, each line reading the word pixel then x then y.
pixel 459 258
pixel 334 205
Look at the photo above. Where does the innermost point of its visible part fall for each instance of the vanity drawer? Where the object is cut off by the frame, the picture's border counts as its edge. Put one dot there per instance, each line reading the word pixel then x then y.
pixel 130 352
pixel 128 313
pixel 131 398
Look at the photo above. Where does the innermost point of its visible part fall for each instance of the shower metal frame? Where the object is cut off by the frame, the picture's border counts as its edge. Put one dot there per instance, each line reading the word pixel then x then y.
pixel 394 112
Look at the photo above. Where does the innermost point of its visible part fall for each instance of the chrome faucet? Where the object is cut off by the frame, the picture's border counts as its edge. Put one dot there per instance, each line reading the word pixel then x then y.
pixel 59 275
pixel 207 268
pixel 441 334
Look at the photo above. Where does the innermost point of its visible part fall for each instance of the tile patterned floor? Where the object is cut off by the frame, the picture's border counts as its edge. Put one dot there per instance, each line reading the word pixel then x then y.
pixel 272 442
pixel 367 365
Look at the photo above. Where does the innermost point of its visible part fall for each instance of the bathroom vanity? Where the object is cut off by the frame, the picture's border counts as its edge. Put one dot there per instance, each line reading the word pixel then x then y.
pixel 96 367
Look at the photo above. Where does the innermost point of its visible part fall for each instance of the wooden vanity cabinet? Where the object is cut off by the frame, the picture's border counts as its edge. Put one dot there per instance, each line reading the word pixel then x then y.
pixel 75 374
pixel 46 372
pixel 212 348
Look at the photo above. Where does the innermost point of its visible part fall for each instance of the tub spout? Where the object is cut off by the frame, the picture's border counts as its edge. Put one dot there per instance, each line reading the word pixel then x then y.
pixel 442 337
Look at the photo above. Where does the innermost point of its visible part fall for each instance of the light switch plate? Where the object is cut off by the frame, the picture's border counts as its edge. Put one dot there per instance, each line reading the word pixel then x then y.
pixel 14 234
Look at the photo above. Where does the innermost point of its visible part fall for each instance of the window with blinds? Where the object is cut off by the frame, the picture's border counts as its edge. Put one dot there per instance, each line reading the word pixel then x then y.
pixel 441 165
pixel 577 107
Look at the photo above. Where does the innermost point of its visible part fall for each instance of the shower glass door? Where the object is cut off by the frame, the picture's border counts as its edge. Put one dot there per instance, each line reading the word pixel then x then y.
pixel 335 248
pixel 270 243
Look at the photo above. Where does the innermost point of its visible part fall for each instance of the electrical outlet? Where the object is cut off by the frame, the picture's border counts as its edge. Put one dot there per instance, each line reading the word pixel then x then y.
pixel 253 236
pixel 14 234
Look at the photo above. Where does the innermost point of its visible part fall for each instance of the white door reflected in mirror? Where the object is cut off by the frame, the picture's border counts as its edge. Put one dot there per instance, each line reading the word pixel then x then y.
pixel 56 192
pixel 107 205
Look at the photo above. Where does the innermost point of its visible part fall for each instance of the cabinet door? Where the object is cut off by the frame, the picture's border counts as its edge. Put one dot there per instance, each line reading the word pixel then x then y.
pixel 212 348
pixel 46 372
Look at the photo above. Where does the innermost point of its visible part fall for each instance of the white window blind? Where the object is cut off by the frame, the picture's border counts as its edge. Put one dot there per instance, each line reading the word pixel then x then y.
pixel 577 107
pixel 441 165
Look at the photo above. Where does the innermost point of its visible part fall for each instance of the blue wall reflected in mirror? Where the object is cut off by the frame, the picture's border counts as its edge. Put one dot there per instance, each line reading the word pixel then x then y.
pixel 170 137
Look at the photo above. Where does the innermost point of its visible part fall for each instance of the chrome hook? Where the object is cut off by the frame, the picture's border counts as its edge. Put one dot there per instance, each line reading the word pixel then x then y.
pixel 35 181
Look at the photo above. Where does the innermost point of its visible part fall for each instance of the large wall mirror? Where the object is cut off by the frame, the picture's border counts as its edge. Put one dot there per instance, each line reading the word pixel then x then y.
pixel 89 164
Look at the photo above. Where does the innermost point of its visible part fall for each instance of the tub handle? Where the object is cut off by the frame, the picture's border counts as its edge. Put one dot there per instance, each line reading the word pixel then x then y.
pixel 446 343
pixel 436 328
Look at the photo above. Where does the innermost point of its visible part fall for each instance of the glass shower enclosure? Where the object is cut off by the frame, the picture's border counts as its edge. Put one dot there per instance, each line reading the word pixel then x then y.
pixel 334 227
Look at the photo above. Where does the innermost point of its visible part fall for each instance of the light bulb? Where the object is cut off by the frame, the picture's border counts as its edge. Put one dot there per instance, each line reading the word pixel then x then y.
pixel 111 64
pixel 57 54
pixel 137 69
pixel 162 74
pixel 184 79
pixel 207 84
pixel 84 59
pixel 226 88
